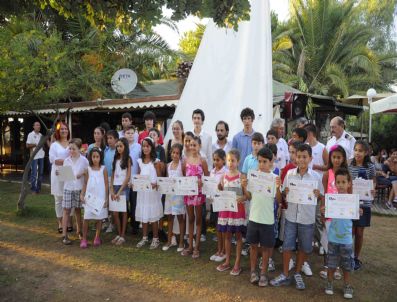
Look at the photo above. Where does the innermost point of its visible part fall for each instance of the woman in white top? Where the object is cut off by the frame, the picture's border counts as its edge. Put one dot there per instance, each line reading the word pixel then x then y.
pixel 177 132
pixel 58 152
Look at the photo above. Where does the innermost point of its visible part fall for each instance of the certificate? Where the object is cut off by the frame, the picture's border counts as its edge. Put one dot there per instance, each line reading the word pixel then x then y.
pixel 344 206
pixel 166 185
pixel 186 186
pixel 301 191
pixel 225 201
pixel 141 183
pixel 66 173
pixel 210 185
pixel 118 205
pixel 260 182
pixel 363 187
pixel 94 204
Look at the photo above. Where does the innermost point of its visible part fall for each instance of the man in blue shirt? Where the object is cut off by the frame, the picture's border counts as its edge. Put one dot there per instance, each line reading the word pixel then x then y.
pixel 242 140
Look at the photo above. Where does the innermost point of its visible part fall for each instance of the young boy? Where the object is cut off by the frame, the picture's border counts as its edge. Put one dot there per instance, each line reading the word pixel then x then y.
pixel 261 220
pixel 340 240
pixel 251 161
pixel 135 153
pixel 281 157
pixel 299 135
pixel 126 122
pixel 150 119
pixel 300 218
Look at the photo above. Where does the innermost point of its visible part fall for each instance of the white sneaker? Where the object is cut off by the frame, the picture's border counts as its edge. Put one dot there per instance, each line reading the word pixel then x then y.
pixel 306 269
pixel 220 258
pixel 173 241
pixel 109 228
pixel 203 238
pixel 213 257
pixel 321 251
pixel 143 242
pixel 291 264
pixel 155 244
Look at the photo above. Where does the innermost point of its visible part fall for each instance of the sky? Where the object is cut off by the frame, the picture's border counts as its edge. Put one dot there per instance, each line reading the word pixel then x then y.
pixel 172 37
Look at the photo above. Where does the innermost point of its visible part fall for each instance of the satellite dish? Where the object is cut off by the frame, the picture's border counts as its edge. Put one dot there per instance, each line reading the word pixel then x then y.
pixel 124 81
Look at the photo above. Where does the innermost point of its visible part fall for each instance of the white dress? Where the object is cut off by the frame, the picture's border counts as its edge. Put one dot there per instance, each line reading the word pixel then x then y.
pixel 96 186
pixel 174 203
pixel 57 151
pixel 148 205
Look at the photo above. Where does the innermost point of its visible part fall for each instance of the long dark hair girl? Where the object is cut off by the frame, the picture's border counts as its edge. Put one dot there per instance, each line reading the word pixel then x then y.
pixel 125 157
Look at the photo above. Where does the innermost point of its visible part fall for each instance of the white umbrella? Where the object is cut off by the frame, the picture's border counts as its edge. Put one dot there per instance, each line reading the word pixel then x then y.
pixel 386 105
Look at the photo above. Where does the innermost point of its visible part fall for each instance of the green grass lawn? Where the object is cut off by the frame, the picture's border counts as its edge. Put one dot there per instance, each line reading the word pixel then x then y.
pixel 36 266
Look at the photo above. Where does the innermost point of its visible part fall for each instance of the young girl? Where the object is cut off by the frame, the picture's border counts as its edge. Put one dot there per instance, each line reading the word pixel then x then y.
pixel 232 222
pixel 72 188
pixel 149 208
pixel 99 139
pixel 219 158
pixel 96 184
pixel 362 167
pixel 336 159
pixel 177 131
pixel 194 165
pixel 119 186
pixel 186 144
pixel 173 203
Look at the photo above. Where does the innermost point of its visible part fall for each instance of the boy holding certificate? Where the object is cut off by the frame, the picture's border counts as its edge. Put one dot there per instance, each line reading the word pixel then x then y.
pixel 260 234
pixel 300 215
pixel 340 240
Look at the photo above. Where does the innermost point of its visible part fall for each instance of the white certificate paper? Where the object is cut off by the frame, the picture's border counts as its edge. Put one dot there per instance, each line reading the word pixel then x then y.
pixel 260 182
pixel 363 188
pixel 343 206
pixel 187 186
pixel 225 201
pixel 301 191
pixel 210 185
pixel 66 173
pixel 118 205
pixel 166 185
pixel 141 183
pixel 94 204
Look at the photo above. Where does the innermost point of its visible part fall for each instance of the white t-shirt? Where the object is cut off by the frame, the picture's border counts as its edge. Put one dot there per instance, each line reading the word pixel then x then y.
pixel 317 155
pixel 227 147
pixel 78 166
pixel 34 138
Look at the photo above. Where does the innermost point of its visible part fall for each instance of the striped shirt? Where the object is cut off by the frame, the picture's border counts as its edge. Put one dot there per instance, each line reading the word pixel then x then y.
pixel 363 173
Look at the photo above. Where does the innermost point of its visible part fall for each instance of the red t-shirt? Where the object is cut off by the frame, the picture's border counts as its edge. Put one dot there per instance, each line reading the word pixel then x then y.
pixel 144 134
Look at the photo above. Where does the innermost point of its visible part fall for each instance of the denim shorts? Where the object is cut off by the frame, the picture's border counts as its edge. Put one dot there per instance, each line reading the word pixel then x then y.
pixel 340 255
pixel 304 233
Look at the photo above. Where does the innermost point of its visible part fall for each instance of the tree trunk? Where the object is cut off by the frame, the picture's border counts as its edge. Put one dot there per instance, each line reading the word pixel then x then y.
pixel 25 180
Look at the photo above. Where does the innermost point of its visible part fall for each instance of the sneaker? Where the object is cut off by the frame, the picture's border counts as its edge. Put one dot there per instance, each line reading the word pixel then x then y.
pixel 179 249
pixel 357 264
pixel 263 281
pixel 173 241
pixel 299 281
pixel 97 242
pixel 321 251
pixel 203 238
pixel 337 274
pixel 306 269
pixel 329 288
pixel 213 257
pixel 271 266
pixel 115 239
pixel 254 277
pixel 121 241
pixel 66 240
pixel 83 244
pixel 220 258
pixel 155 244
pixel 348 291
pixel 291 264
pixel 324 273
pixel 142 242
pixel 109 228
pixel 280 280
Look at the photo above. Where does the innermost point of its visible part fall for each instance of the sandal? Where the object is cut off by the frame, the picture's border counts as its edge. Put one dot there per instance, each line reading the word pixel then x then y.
pixel 186 252
pixel 196 254
pixel 116 239
pixel 60 230
pixel 235 272
pixel 69 229
pixel 223 267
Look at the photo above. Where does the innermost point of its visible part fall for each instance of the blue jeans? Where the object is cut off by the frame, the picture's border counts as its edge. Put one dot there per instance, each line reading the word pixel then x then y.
pixel 36 174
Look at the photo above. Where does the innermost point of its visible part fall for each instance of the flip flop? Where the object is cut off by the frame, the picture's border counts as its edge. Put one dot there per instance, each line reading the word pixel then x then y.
pixel 223 267
pixel 235 272
pixel 186 252
pixel 196 254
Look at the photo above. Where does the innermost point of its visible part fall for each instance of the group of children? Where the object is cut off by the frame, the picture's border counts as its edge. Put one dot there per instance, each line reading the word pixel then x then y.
pixel 106 172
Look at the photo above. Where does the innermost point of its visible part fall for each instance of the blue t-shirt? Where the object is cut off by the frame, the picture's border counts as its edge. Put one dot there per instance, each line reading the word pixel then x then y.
pixel 108 159
pixel 242 142
pixel 340 231
pixel 250 163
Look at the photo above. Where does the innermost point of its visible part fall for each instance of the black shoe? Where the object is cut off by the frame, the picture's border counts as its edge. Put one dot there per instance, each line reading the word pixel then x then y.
pixel 357 264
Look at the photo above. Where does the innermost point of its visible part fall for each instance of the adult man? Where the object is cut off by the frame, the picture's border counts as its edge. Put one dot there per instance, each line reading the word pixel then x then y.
pixel 242 140
pixel 37 167
pixel 150 119
pixel 278 125
pixel 222 132
pixel 126 122
pixel 198 118
pixel 341 137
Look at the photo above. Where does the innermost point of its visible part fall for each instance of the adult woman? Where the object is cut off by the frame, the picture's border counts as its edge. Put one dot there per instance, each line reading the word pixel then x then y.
pixel 99 139
pixel 177 131
pixel 58 152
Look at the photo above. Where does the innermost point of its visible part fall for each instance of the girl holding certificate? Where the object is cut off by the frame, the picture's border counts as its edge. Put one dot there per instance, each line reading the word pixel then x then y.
pixel 362 167
pixel 96 187
pixel 194 165
pixel 119 186
pixel 232 222
pixel 149 208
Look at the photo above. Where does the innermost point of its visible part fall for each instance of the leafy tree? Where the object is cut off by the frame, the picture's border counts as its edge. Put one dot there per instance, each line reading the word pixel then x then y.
pixel 190 42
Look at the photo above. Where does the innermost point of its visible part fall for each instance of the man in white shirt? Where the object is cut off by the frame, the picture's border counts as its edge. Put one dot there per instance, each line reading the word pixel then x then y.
pixel 222 132
pixel 341 137
pixel 37 167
